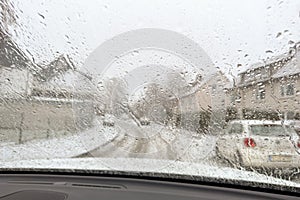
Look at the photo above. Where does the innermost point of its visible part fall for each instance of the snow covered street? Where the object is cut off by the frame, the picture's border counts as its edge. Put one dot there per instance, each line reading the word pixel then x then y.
pixel 156 142
pixel 125 139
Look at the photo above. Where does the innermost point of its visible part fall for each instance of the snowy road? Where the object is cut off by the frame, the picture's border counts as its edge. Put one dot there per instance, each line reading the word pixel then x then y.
pixel 125 140
pixel 156 142
pixel 137 142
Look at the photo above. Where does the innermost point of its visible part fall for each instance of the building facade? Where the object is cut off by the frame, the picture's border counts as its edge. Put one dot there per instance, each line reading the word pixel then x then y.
pixel 204 107
pixel 268 90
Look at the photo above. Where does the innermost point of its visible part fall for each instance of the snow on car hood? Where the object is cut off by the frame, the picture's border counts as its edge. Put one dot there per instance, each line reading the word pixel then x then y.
pixel 136 165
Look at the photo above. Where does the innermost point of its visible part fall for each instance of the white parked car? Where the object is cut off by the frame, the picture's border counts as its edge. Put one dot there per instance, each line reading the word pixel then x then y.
pixel 260 144
pixel 109 120
pixel 295 124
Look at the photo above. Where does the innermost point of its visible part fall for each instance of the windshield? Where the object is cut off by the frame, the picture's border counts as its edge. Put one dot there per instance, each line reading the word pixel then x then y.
pixel 271 130
pixel 152 86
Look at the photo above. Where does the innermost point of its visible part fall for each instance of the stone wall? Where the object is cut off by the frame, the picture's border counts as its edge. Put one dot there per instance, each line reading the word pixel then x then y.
pixel 24 120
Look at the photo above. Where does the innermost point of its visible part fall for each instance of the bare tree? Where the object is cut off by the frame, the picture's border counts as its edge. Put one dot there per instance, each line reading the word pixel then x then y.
pixel 114 95
pixel 175 83
pixel 154 104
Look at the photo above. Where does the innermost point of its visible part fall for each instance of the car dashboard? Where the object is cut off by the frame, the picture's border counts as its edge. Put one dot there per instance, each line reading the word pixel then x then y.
pixel 76 187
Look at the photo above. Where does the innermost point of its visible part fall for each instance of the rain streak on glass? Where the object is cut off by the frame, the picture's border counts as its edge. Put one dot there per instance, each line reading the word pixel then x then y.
pixel 199 88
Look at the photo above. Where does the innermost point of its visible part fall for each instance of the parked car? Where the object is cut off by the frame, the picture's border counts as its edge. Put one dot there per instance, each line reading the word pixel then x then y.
pixel 145 121
pixel 261 144
pixel 109 120
pixel 295 124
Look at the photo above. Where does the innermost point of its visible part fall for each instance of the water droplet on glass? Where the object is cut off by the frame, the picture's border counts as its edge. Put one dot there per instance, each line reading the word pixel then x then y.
pixel 269 51
pixel 278 34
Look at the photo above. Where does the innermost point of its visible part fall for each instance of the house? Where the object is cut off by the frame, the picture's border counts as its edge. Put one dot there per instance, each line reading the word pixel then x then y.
pixel 22 78
pixel 203 105
pixel 38 101
pixel 60 84
pixel 268 90
pixel 15 69
pixel 58 80
pixel 15 83
pixel 11 56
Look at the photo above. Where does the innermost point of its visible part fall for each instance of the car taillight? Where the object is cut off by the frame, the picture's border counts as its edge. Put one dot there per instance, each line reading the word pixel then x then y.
pixel 249 142
pixel 298 144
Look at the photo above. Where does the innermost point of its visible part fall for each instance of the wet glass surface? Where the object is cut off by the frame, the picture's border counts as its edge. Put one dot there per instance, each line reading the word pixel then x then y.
pixel 190 87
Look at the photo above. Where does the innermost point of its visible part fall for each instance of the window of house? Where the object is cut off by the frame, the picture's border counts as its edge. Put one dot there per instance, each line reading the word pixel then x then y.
pixel 232 98
pixel 213 88
pixel 259 73
pixel 260 94
pixel 236 97
pixel 287 89
pixel 290 90
pixel 290 115
pixel 265 72
pixel 243 78
pixel 282 90
pixel 250 76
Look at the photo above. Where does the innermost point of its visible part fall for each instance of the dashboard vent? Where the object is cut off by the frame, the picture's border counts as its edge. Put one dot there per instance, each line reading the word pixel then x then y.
pixel 118 187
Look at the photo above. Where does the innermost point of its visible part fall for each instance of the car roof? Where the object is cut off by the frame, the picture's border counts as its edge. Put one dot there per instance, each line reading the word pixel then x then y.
pixel 292 122
pixel 257 122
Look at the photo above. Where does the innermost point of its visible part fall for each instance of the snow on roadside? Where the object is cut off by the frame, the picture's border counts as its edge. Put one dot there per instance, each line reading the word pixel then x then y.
pixel 201 149
pixel 63 147
pixel 188 145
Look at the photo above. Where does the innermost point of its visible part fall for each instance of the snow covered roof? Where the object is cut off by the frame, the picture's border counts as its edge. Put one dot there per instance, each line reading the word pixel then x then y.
pixel 290 68
pixel 59 66
pixel 63 81
pixel 283 57
pixel 219 75
pixel 11 54
pixel 61 76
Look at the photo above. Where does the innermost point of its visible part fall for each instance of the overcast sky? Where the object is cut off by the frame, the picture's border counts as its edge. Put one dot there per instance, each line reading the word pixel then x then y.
pixel 231 32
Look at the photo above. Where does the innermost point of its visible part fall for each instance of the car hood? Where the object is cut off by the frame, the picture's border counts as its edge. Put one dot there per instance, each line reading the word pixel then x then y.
pixel 138 167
